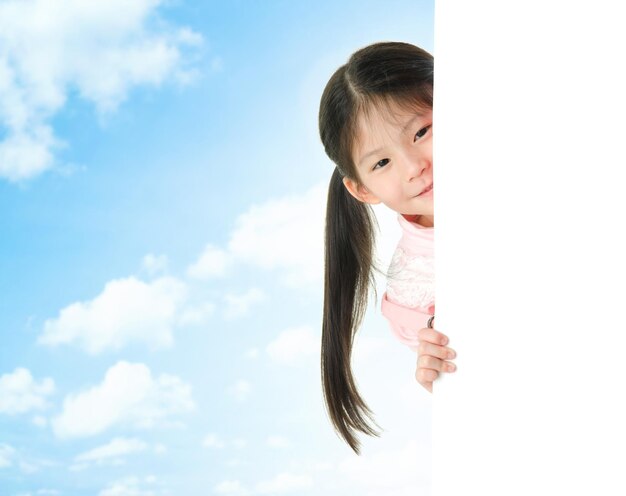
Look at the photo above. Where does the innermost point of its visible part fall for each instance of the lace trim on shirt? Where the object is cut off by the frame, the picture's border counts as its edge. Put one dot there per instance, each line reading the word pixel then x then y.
pixel 411 280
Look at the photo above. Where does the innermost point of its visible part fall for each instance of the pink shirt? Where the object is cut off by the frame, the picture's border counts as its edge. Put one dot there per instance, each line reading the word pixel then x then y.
pixel 409 300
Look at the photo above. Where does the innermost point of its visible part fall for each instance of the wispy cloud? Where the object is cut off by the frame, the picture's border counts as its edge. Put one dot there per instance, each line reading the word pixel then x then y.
pixel 240 390
pixel 294 345
pixel 40 421
pixel 278 442
pixel 11 458
pixel 129 396
pixel 196 314
pixel 20 393
pixel 213 262
pixel 240 443
pixel 393 471
pixel 284 483
pixel 232 487
pixel 283 235
pixel 238 305
pixel 131 486
pixel 117 447
pixel 113 453
pixel 213 441
pixel 252 353
pixel 128 310
pixel 154 264
pixel 7 455
pixel 35 84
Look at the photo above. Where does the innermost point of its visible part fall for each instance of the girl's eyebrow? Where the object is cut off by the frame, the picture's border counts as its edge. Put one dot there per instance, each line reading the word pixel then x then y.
pixel 402 131
pixel 411 121
pixel 373 152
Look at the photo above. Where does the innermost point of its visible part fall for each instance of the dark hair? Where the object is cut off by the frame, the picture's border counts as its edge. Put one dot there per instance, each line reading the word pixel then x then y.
pixel 374 78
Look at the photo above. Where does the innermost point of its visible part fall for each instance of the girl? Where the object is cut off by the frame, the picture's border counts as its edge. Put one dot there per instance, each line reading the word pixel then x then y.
pixel 375 123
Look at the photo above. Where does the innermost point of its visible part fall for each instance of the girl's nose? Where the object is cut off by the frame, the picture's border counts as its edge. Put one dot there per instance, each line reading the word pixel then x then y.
pixel 413 167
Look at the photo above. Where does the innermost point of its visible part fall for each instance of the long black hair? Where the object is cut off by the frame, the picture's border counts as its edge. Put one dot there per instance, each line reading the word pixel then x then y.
pixel 375 77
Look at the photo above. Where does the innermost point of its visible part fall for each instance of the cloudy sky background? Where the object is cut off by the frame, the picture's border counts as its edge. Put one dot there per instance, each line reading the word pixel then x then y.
pixel 162 194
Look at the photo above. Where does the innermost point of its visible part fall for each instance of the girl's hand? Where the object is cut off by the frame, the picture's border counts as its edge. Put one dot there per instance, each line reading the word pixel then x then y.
pixel 431 357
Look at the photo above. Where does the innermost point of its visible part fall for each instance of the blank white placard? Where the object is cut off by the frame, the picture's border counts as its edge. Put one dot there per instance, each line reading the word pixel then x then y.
pixel 530 247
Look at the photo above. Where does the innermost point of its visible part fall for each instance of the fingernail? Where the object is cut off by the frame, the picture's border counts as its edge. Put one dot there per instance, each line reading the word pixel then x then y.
pixel 444 341
pixel 451 354
pixel 451 367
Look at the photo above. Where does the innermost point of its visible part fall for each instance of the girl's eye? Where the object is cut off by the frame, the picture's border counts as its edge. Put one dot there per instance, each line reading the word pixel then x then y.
pixel 381 163
pixel 421 133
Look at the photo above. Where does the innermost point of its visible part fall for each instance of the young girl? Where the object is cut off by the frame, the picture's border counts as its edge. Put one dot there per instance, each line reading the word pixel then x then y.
pixel 375 123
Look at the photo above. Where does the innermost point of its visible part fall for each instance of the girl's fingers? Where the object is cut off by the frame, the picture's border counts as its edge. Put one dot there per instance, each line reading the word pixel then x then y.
pixel 432 336
pixel 443 352
pixel 424 376
pixel 432 355
pixel 431 362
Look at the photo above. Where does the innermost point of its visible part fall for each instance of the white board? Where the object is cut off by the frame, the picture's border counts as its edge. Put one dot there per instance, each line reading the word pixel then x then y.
pixel 530 247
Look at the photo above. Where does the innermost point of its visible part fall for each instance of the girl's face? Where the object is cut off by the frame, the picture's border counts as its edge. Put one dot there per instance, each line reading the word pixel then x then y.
pixel 393 157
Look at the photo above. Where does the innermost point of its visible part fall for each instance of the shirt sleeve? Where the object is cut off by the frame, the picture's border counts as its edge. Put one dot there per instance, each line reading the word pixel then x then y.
pixel 405 322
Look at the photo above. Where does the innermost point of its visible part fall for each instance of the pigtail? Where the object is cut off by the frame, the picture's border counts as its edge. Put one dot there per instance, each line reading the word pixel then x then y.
pixel 347 278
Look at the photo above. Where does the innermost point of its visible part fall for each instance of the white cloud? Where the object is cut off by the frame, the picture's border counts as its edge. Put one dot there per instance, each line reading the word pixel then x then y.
pixel 7 455
pixel 217 64
pixel 278 442
pixel 154 264
pixel 27 154
pixel 322 466
pixel 40 421
pixel 239 305
pixel 285 234
pixel 213 262
pixel 34 84
pixel 252 353
pixel 128 310
pixel 230 487
pixel 212 441
pixel 20 393
pixel 240 443
pixel 130 486
pixel 116 448
pixel 41 492
pixel 128 395
pixel 160 449
pixel 10 457
pixel 240 390
pixel 294 345
pixel 284 483
pixel 196 314
pixel 389 471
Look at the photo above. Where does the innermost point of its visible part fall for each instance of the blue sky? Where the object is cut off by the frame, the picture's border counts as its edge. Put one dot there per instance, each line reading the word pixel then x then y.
pixel 161 202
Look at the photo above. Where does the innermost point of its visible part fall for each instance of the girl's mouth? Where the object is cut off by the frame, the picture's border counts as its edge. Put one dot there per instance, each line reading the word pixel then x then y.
pixel 426 191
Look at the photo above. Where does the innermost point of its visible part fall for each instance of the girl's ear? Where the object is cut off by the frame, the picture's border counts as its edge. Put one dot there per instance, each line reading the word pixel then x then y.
pixel 360 192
